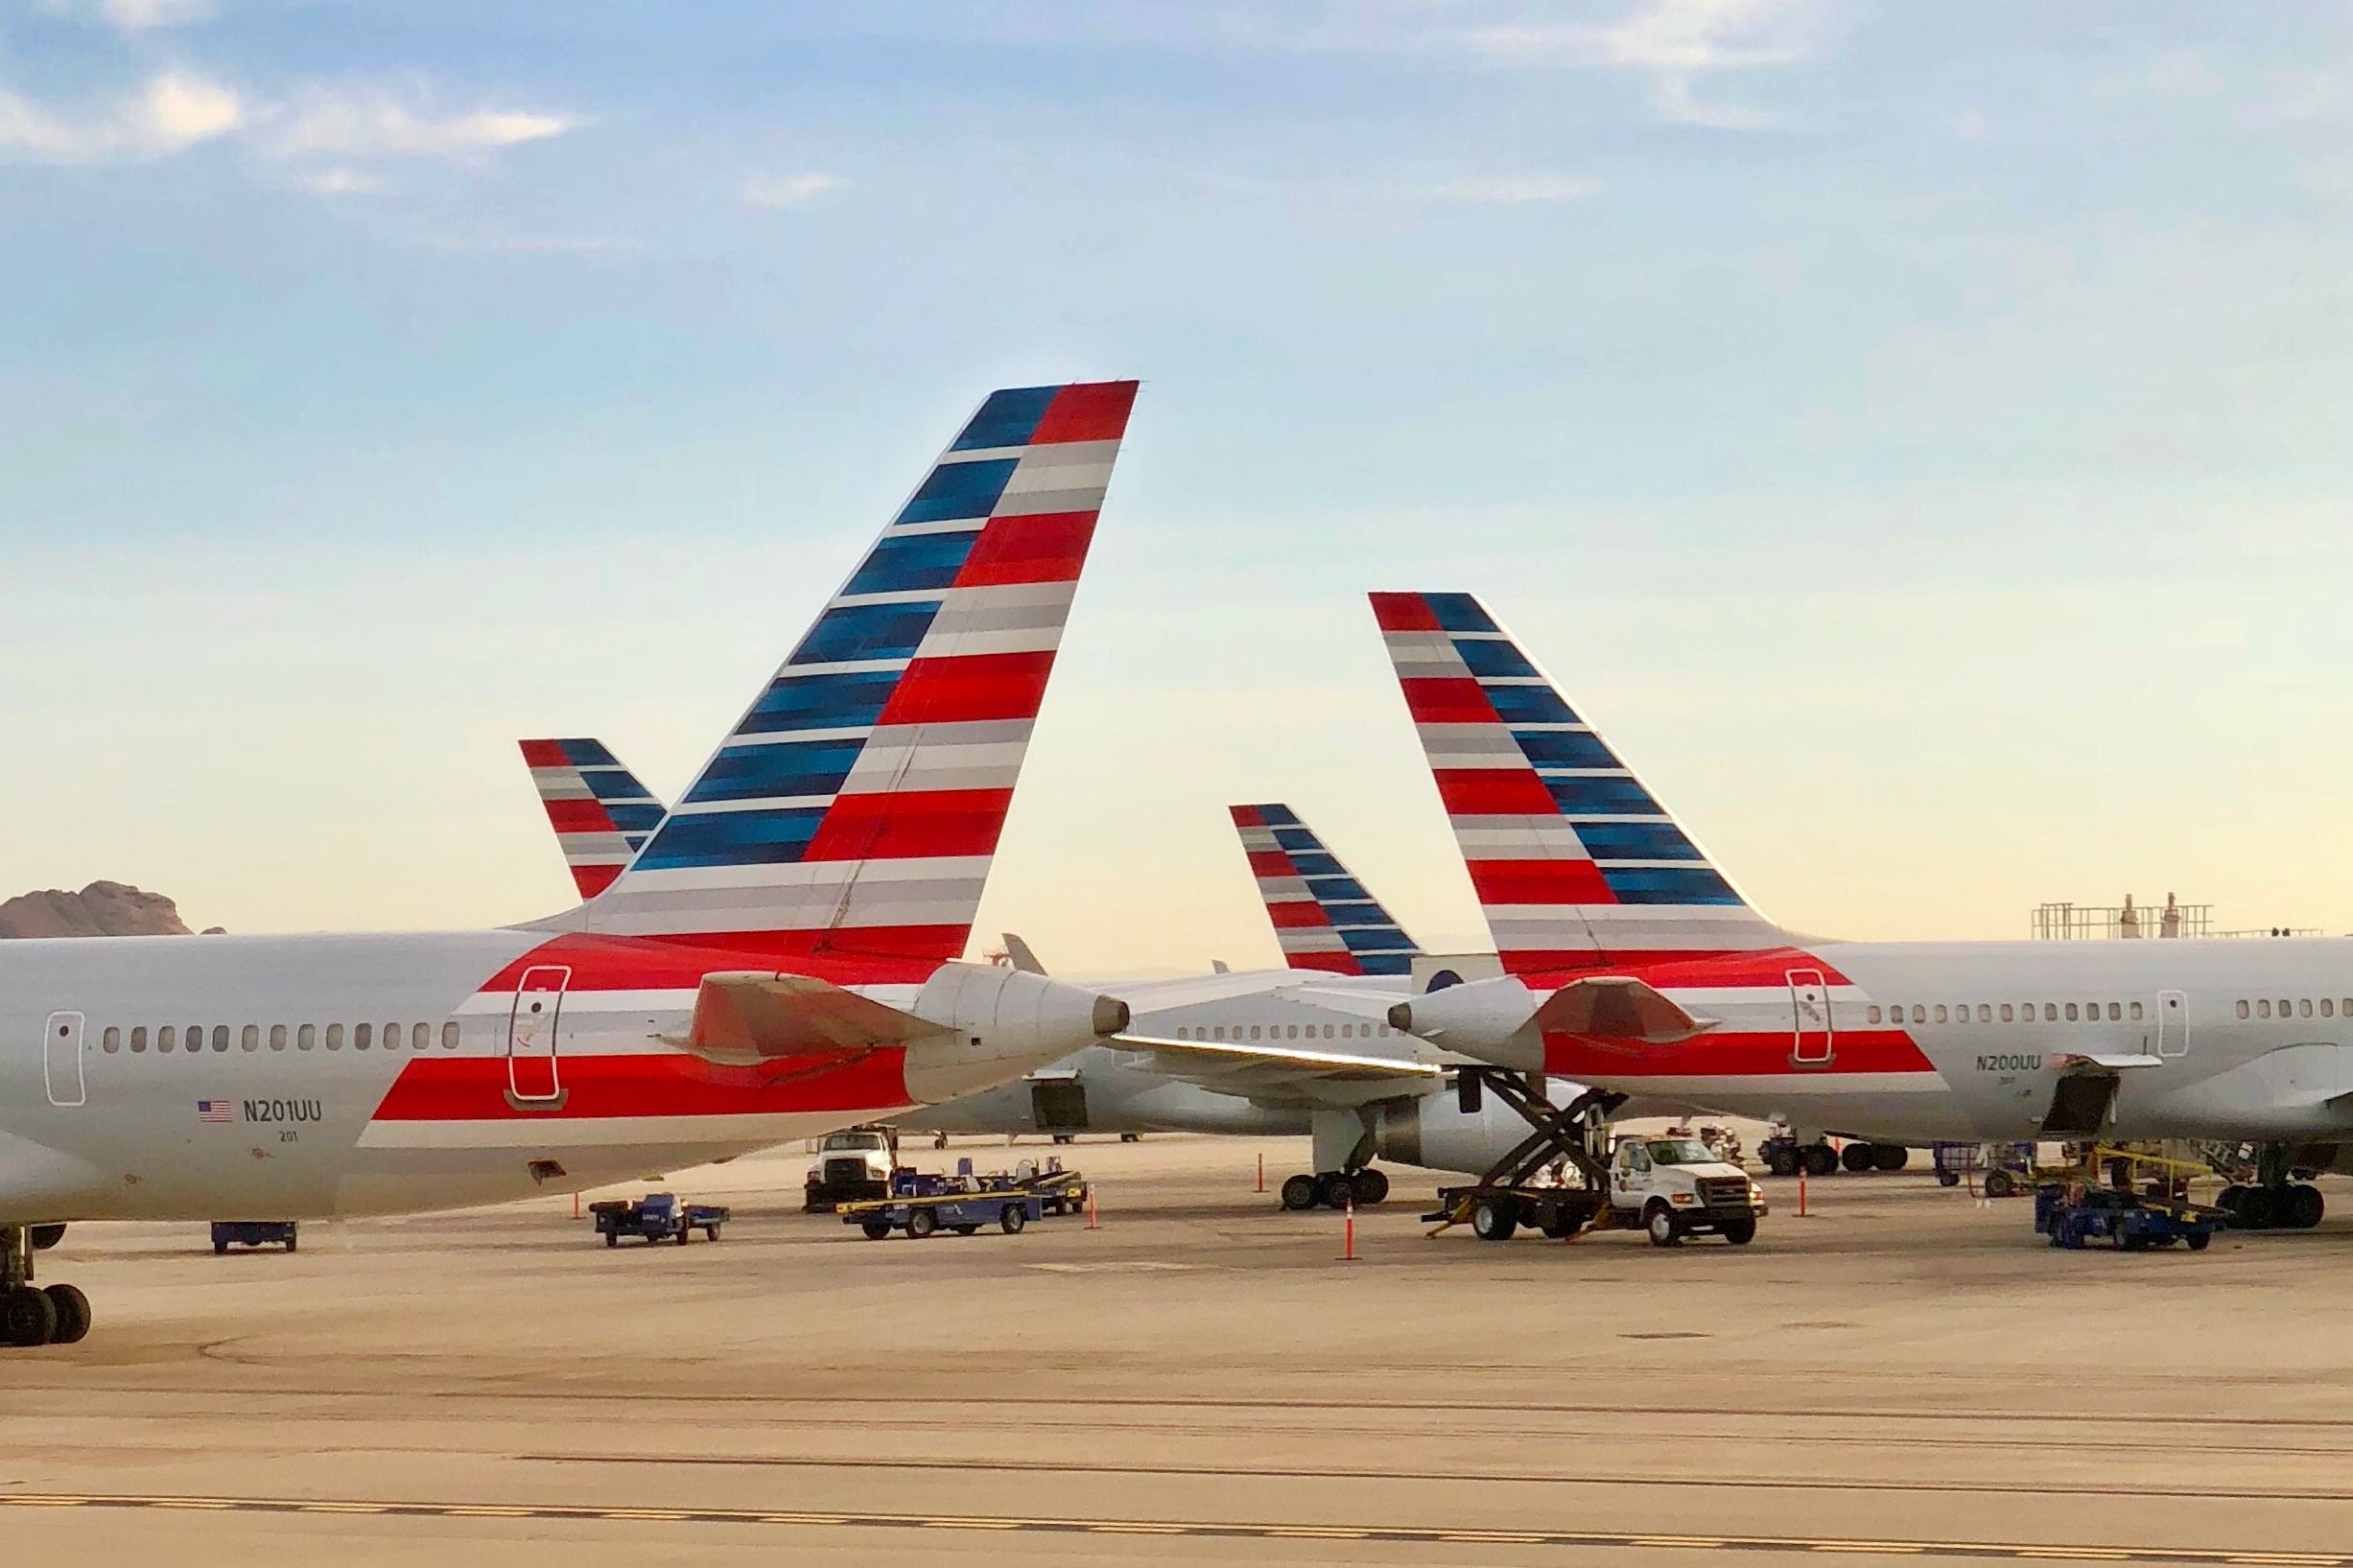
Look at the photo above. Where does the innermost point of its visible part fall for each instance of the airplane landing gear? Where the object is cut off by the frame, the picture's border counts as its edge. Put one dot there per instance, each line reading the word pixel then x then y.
pixel 1336 1189
pixel 28 1314
pixel 2275 1200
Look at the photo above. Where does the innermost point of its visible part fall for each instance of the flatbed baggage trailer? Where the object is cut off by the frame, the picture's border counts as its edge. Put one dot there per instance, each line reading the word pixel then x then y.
pixel 2074 1215
pixel 658 1216
pixel 964 1212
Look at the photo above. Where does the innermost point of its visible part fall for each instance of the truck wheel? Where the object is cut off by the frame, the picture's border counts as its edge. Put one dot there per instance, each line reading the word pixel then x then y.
pixel 685 1233
pixel 289 1244
pixel 612 1238
pixel 1739 1232
pixel 1493 1219
pixel 1299 1191
pixel 2197 1240
pixel 2000 1184
pixel 219 1248
pixel 1948 1178
pixel 1011 1218
pixel 711 1232
pixel 1662 1223
pixel 875 1227
pixel 921 1223
pixel 1558 1225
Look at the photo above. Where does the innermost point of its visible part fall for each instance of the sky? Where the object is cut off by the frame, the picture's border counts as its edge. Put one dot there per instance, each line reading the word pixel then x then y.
pixel 1915 434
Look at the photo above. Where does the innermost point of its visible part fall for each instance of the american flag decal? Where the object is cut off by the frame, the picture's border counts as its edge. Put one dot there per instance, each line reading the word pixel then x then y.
pixel 212 1111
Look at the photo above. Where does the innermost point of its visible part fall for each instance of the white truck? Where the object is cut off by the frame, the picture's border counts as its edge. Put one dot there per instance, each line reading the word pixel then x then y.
pixel 1668 1188
pixel 853 1165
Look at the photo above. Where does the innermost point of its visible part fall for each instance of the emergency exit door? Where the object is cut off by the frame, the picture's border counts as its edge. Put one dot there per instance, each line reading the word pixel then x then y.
pixel 1810 1041
pixel 61 1059
pixel 531 1036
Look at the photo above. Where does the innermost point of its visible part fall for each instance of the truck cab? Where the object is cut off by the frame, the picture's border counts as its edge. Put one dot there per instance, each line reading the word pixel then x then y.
pixel 1678 1187
pixel 853 1165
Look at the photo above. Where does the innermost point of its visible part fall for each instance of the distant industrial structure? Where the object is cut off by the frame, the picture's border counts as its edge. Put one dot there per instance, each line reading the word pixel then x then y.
pixel 2067 922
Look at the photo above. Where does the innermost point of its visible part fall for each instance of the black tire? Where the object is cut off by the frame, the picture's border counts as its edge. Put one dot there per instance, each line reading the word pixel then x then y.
pixel 1948 1178
pixel 1336 1189
pixel 2228 1199
pixel 73 1311
pixel 1299 1191
pixel 289 1244
pixel 1856 1158
pixel 2258 1209
pixel 2302 1207
pixel 921 1223
pixel 1665 1229
pixel 1011 1218
pixel 45 1236
pixel 875 1227
pixel 1495 1219
pixel 2000 1183
pixel 1889 1157
pixel 28 1315
pixel 1739 1232
pixel 1818 1158
pixel 711 1232
pixel 1371 1186
pixel 1558 1226
pixel 2197 1240
pixel 612 1238
pixel 965 1229
pixel 1780 1160
pixel 219 1248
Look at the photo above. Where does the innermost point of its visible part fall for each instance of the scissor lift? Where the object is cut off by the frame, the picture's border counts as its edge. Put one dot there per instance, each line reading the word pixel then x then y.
pixel 1506 1196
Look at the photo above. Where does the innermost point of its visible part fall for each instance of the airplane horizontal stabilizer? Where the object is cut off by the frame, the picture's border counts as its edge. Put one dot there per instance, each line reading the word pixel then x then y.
pixel 1618 1009
pixel 765 1016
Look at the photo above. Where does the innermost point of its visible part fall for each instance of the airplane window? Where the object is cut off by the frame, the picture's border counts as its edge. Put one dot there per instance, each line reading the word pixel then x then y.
pixel 1985 1012
pixel 335 1035
pixel 2050 1012
pixel 2263 1007
pixel 363 1035
pixel 1383 1030
pixel 1920 1014
pixel 1253 1031
pixel 390 1037
pixel 277 1037
pixel 2006 1012
pixel 1872 1015
pixel 138 1041
pixel 2328 1006
pixel 249 1038
pixel 1348 1031
pixel 2243 1007
pixel 1294 1034
pixel 219 1037
pixel 419 1036
pixel 2115 1011
pixel 2283 1007
pixel 2071 1012
pixel 2136 1011
pixel 2345 1007
pixel 1328 1031
pixel 113 1038
pixel 166 1036
pixel 449 1036
pixel 1940 1012
pixel 2303 1007
pixel 306 1037
pixel 193 1038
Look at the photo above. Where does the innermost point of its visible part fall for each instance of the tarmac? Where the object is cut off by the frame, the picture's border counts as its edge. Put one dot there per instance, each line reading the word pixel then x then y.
pixel 1904 1374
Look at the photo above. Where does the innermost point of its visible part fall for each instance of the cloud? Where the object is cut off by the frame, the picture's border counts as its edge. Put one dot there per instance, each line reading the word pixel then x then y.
pixel 1675 42
pixel 375 123
pixel 1512 190
pixel 791 190
pixel 339 180
pixel 134 15
pixel 175 111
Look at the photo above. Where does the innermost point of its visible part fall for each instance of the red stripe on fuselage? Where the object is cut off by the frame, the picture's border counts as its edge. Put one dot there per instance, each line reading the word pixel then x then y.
pixel 1721 1055
pixel 667 1084
pixel 884 955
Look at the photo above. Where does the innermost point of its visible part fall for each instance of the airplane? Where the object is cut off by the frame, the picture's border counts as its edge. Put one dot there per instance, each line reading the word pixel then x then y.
pixel 1633 963
pixel 1246 1053
pixel 779 957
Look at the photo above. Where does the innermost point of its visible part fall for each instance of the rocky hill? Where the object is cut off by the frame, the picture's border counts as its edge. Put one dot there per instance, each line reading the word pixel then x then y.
pixel 100 909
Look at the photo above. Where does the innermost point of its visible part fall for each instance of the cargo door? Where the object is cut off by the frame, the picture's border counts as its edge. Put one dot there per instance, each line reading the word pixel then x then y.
pixel 1059 1105
pixel 61 1059
pixel 532 1077
pixel 1809 1015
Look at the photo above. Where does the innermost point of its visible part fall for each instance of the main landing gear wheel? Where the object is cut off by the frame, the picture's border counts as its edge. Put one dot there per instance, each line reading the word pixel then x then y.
pixel 1663 1228
pixel 73 1314
pixel 1299 1191
pixel 1855 1157
pixel 29 1316
pixel 1781 1160
pixel 1334 1188
pixel 1818 1159
pixel 2257 1209
pixel 1492 1221
pixel 1371 1186
pixel 1889 1157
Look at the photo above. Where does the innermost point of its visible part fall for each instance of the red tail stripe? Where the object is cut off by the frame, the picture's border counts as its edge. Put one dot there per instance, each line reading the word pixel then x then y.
pixel 1050 547
pixel 1404 613
pixel 969 687
pixel 1503 882
pixel 1298 913
pixel 544 753
pixel 1246 816
pixel 1330 963
pixel 1447 699
pixel 1271 863
pixel 1087 411
pixel 580 816
pixel 1493 792
pixel 592 880
pixel 911 825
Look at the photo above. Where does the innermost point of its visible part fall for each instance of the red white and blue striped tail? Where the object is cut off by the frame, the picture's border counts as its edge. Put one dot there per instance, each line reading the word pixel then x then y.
pixel 1575 863
pixel 602 815
pixel 855 808
pixel 1323 916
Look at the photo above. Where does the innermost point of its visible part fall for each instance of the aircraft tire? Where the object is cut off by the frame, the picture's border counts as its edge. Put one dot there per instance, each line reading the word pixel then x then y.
pixel 2258 1209
pixel 28 1315
pixel 1371 1186
pixel 2302 1205
pixel 1889 1157
pixel 1334 1189
pixel 1780 1162
pixel 1299 1191
pixel 1819 1160
pixel 73 1310
pixel 1856 1158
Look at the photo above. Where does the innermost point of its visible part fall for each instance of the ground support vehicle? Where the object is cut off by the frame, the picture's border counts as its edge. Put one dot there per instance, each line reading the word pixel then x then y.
pixel 1557 1181
pixel 922 1205
pixel 227 1233
pixel 2075 1213
pixel 658 1216
pixel 853 1164
pixel 1058 1191
pixel 2003 1169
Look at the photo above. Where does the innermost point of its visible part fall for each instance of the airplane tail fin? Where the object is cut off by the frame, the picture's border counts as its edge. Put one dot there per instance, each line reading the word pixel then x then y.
pixel 1575 863
pixel 1323 916
pixel 602 815
pixel 855 808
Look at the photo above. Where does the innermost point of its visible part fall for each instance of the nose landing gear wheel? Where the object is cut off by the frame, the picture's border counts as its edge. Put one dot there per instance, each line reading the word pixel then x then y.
pixel 1299 1192
pixel 29 1316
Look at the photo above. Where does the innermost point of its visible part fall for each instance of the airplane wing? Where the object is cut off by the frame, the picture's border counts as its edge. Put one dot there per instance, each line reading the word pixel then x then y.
pixel 764 1017
pixel 1271 1073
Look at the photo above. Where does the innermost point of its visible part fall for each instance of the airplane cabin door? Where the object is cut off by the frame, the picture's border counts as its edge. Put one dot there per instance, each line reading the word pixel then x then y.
pixel 1809 1013
pixel 532 1077
pixel 2172 1023
pixel 61 1059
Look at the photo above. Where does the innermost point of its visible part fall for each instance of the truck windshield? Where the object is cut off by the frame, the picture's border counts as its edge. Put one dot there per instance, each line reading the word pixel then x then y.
pixel 1680 1152
pixel 854 1143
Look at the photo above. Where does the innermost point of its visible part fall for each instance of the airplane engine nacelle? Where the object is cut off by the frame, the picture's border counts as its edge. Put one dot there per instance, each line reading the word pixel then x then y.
pixel 997 1023
pixel 1434 1133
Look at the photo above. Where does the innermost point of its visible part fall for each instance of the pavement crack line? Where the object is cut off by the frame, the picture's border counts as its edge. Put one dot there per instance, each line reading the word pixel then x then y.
pixel 1394 1534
